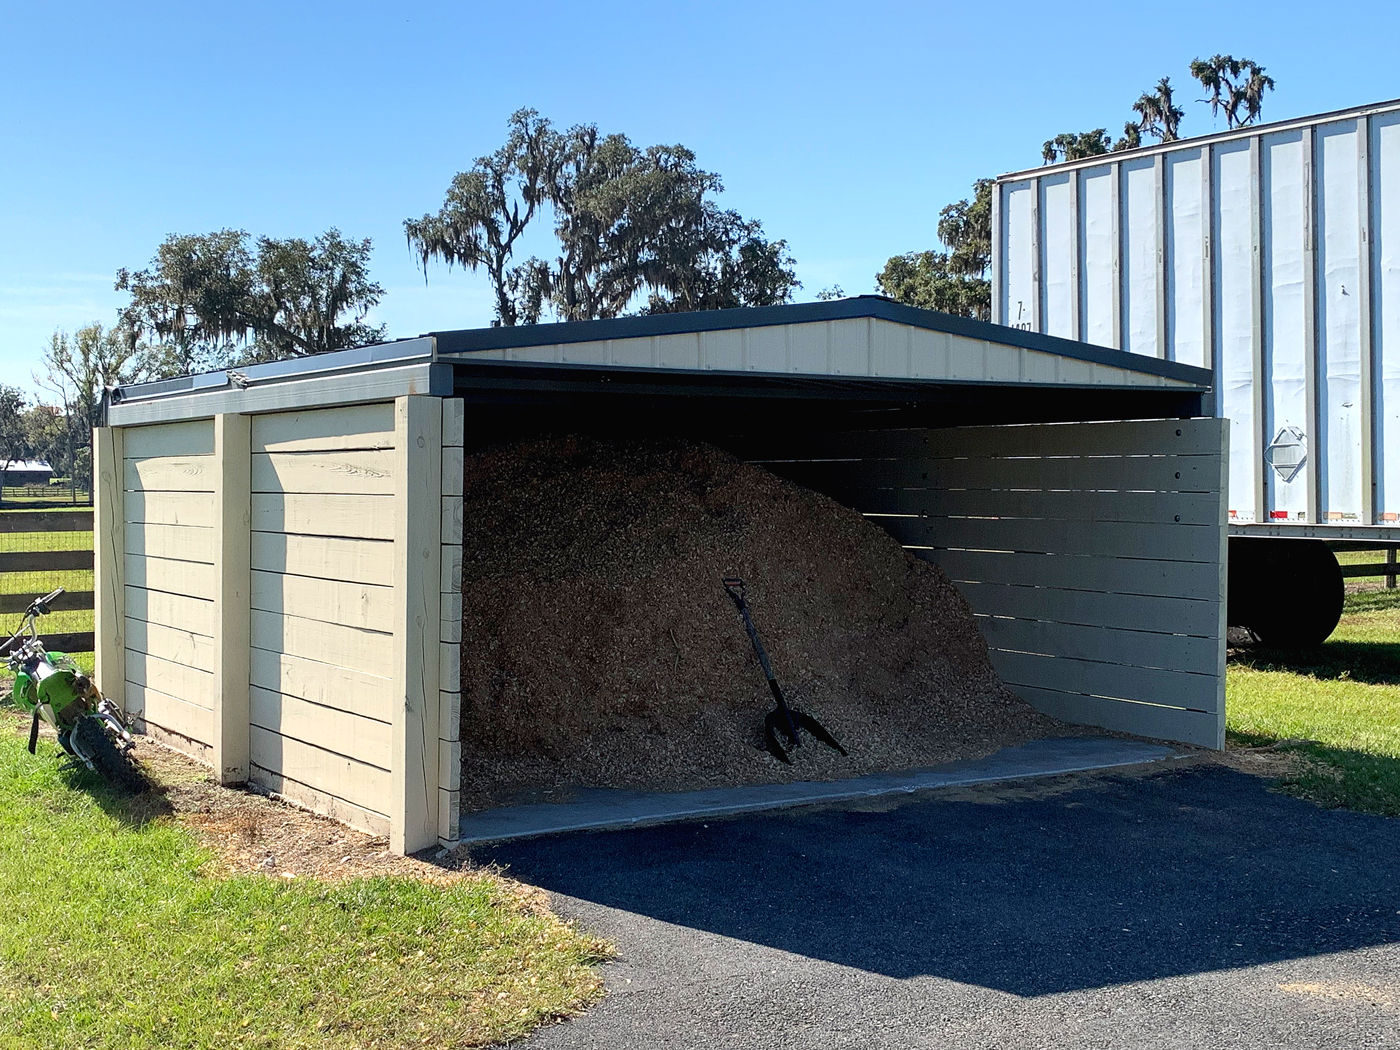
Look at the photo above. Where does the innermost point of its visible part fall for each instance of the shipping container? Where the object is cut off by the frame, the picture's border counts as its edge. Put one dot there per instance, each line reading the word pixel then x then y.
pixel 1268 254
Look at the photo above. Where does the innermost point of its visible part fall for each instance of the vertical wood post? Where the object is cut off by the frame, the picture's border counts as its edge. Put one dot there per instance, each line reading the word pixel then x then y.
pixel 413 805
pixel 450 613
pixel 109 564
pixel 1223 568
pixel 233 582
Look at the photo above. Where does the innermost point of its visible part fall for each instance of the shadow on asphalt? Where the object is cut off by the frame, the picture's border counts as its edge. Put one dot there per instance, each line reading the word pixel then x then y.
pixel 1127 879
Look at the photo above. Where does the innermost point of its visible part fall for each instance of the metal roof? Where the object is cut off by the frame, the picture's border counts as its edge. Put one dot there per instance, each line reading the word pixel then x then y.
pixel 865 346
pixel 538 343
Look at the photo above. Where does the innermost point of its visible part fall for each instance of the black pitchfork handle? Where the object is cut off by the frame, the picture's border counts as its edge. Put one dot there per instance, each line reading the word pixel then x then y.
pixel 736 590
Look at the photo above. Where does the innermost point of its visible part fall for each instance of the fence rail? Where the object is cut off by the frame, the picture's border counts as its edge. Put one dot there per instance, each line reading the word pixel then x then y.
pixel 30 567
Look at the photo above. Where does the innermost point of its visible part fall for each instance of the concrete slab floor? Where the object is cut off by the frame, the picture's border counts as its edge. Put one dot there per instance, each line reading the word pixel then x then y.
pixel 598 808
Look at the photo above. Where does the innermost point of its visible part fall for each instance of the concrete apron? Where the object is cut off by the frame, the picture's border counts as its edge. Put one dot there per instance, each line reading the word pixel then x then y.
pixel 599 808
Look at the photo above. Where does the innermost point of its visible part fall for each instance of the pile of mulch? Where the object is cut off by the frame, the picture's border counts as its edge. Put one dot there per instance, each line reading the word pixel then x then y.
pixel 599 648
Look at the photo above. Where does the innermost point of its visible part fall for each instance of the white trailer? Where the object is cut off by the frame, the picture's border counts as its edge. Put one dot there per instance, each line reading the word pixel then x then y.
pixel 1270 255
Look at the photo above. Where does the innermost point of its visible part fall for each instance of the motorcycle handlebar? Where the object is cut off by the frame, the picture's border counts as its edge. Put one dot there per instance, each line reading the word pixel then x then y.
pixel 50 597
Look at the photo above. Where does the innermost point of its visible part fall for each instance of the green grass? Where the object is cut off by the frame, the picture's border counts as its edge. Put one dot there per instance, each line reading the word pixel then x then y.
pixel 53 496
pixel 1362 558
pixel 1342 697
pixel 116 935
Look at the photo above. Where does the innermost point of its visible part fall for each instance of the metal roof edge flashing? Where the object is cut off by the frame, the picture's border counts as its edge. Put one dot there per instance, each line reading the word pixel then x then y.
pixel 379 372
pixel 459 345
pixel 378 355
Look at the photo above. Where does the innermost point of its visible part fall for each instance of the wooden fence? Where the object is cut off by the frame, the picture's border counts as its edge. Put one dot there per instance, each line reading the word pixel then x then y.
pixel 41 565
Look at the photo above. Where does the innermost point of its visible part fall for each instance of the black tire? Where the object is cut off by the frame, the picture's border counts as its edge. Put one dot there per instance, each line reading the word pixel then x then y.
pixel 90 737
pixel 1288 592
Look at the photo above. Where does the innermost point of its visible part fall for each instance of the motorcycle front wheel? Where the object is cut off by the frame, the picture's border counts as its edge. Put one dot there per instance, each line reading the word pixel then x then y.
pixel 92 743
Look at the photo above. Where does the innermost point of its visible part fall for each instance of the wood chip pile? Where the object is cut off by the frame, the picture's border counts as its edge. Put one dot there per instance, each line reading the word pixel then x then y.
pixel 600 650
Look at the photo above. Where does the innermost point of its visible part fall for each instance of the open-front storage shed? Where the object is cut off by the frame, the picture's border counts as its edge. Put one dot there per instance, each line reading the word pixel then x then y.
pixel 279 549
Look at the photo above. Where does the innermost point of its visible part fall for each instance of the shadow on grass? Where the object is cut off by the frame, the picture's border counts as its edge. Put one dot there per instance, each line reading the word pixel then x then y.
pixel 135 810
pixel 1371 599
pixel 1375 663
pixel 1337 777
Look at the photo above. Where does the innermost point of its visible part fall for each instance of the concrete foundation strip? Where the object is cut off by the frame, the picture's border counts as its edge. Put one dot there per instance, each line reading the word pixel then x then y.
pixel 601 809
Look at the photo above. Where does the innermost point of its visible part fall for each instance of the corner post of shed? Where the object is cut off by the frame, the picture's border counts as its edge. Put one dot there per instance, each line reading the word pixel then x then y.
pixel 233 586
pixel 450 635
pixel 109 563
pixel 413 804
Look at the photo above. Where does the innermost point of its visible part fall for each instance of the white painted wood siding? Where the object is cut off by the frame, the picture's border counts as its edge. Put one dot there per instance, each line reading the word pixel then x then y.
pixel 858 346
pixel 168 548
pixel 1092 553
pixel 450 625
pixel 321 618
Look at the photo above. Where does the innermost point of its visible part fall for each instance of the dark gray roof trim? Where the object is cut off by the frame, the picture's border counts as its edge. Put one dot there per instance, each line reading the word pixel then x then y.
pixel 380 355
pixel 470 340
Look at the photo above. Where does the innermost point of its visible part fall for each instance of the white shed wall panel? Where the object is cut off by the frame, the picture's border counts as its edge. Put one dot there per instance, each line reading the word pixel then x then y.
pixel 1091 553
pixel 1275 258
pixel 168 539
pixel 321 622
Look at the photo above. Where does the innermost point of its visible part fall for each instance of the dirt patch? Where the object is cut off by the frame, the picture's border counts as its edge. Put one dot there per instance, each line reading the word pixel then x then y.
pixel 252 832
pixel 599 648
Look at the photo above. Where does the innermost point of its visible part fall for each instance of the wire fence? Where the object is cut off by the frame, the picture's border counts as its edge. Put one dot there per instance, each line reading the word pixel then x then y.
pixel 30 496
pixel 41 550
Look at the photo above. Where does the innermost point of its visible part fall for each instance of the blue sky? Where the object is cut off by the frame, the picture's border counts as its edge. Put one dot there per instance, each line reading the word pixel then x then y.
pixel 844 128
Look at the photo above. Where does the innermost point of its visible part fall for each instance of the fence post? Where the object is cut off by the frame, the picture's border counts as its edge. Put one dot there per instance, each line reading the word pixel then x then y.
pixel 413 805
pixel 1390 567
pixel 109 564
pixel 233 582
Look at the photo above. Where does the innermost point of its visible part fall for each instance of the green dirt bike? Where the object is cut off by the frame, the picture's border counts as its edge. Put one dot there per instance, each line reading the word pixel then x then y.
pixel 50 686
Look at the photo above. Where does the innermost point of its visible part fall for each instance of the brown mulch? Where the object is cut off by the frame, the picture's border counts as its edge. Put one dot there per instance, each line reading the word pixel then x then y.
pixel 600 650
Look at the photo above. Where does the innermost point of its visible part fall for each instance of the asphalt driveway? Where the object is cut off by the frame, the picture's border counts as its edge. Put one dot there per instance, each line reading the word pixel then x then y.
pixel 1191 907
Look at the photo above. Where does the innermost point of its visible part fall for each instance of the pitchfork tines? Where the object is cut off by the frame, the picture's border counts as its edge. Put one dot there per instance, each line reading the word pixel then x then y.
pixel 782 724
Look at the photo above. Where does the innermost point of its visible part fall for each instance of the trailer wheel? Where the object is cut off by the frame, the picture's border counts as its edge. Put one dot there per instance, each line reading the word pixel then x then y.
pixel 1289 593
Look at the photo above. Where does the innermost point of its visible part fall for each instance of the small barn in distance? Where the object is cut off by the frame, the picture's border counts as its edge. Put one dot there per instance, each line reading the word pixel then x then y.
pixel 26 472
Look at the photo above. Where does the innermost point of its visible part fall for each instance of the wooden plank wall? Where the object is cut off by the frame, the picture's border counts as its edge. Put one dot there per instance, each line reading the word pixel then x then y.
pixel 167 536
pixel 450 636
pixel 320 665
pixel 1092 553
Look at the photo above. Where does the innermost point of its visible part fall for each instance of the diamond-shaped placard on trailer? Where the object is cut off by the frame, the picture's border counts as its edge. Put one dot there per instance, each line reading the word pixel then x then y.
pixel 1288 453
